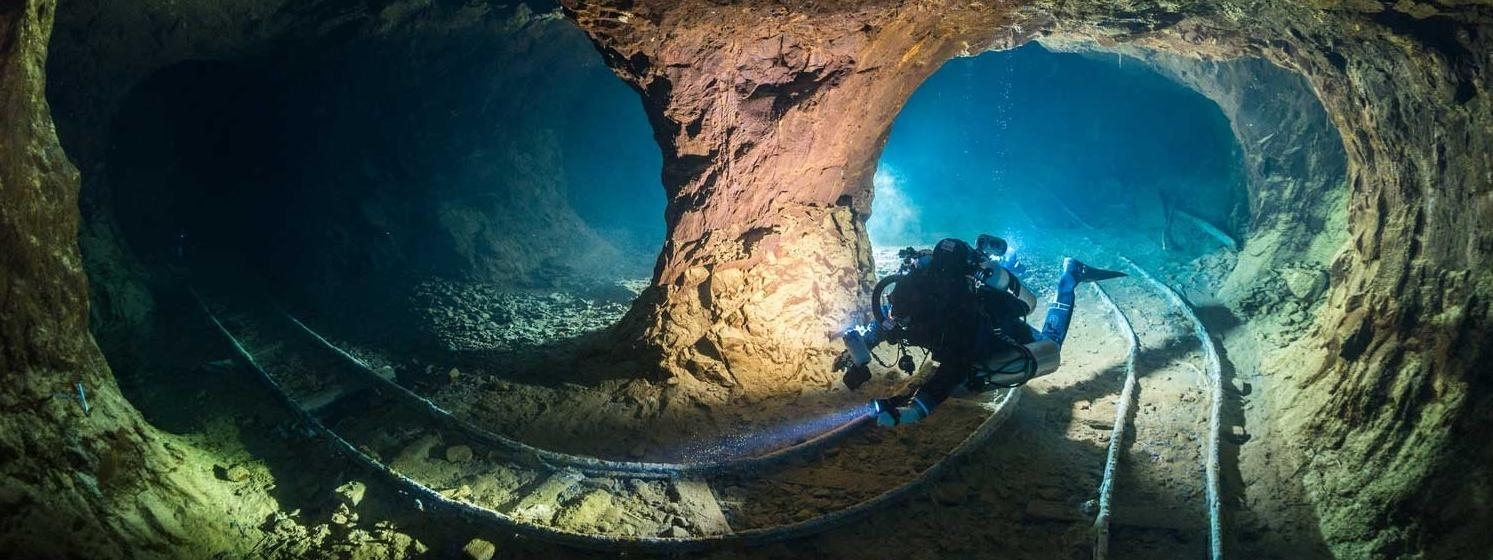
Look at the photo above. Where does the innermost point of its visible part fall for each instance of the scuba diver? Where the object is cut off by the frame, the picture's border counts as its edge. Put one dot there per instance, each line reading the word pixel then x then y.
pixel 968 308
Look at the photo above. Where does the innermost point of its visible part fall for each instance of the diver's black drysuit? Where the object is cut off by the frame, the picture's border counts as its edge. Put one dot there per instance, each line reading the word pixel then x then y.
pixel 968 311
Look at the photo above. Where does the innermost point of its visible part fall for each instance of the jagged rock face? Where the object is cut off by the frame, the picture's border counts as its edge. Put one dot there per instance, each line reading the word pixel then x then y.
pixel 801 97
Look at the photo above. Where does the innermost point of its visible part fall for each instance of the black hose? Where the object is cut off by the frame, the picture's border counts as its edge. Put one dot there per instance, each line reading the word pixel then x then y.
pixel 592 465
pixel 876 296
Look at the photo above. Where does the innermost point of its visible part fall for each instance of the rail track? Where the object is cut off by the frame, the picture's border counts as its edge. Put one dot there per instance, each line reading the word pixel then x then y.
pixel 585 464
pixel 1161 363
pixel 1124 411
pixel 449 466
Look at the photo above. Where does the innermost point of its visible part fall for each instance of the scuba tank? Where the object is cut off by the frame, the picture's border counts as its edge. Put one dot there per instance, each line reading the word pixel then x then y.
pixel 1014 365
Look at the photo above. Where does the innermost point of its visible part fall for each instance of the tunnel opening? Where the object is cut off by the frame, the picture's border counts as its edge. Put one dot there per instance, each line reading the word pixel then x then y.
pixel 1219 187
pixel 477 192
pixel 463 211
pixel 465 214
pixel 461 206
pixel 1025 143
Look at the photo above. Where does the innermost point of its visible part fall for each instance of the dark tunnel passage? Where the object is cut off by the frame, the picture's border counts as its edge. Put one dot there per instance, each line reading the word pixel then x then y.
pixel 387 181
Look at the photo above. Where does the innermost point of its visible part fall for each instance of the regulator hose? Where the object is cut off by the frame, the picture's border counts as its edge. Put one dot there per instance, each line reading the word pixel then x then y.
pixel 876 310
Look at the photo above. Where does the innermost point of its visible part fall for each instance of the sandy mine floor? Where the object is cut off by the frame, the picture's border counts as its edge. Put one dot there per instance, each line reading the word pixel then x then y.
pixel 1029 493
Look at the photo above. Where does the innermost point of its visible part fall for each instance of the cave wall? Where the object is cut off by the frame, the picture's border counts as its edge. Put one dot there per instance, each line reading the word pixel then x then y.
pixel 74 482
pixel 1392 376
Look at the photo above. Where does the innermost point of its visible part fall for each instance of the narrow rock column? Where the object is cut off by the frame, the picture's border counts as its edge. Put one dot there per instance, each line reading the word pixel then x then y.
pixel 771 122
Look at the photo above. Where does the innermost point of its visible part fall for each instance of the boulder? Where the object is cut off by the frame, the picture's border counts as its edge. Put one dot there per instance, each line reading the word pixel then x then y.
pixel 1305 284
pixel 479 549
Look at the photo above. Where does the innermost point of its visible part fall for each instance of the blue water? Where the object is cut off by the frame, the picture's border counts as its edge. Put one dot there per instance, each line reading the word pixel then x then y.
pixel 987 142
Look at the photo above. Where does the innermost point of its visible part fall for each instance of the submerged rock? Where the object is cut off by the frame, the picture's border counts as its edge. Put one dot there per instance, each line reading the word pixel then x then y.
pixel 352 493
pixel 479 549
pixel 237 473
pixel 459 454
pixel 1305 284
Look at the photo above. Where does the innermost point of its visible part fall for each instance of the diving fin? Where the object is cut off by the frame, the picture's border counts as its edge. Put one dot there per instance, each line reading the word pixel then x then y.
pixel 1085 273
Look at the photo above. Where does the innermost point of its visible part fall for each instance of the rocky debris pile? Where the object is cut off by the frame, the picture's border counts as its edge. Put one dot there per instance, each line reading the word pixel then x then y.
pixel 469 316
pixel 334 528
pixel 1288 296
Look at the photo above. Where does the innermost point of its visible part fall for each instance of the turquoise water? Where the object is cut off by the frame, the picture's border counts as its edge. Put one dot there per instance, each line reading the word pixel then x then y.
pixel 987 142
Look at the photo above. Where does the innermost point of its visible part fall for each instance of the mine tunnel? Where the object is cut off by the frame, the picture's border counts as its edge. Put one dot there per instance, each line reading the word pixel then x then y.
pixel 1024 142
pixel 333 182
pixel 429 279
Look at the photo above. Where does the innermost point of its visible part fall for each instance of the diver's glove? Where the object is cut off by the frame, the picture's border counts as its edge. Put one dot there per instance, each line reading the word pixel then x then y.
pixel 888 414
pixel 900 416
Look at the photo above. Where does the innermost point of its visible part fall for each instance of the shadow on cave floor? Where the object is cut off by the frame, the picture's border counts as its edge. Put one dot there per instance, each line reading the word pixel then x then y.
pixel 190 385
